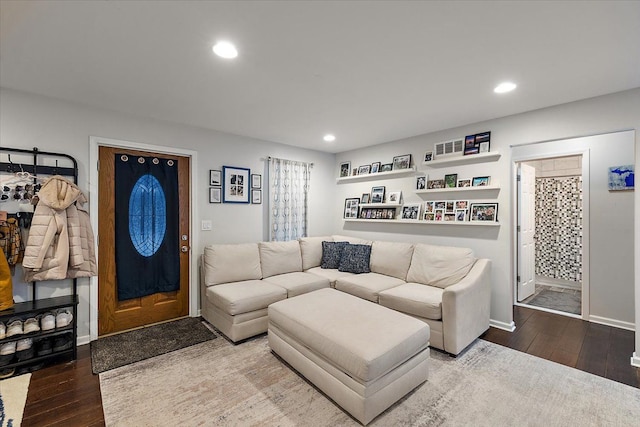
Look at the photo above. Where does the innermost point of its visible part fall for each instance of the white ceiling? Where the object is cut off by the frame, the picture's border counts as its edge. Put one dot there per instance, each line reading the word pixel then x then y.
pixel 369 72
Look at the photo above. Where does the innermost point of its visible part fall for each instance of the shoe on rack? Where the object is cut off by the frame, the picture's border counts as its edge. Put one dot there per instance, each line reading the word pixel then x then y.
pixel 48 321
pixel 44 347
pixel 31 325
pixel 63 342
pixel 14 327
pixel 3 331
pixel 63 318
pixel 24 349
pixel 6 373
pixel 7 352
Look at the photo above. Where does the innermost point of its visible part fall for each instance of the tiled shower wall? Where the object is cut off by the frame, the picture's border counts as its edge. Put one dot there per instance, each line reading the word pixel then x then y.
pixel 559 228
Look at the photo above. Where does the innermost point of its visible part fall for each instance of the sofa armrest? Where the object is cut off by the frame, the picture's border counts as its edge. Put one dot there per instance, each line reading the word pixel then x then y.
pixel 466 308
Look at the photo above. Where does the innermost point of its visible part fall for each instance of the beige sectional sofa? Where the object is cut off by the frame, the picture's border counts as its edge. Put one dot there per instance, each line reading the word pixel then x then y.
pixel 445 287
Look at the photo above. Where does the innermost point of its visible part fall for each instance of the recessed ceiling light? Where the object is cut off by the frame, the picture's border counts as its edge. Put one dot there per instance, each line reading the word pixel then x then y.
pixel 505 87
pixel 329 138
pixel 225 50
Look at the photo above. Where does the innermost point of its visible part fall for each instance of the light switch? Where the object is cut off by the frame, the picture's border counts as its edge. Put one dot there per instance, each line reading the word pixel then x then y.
pixel 206 225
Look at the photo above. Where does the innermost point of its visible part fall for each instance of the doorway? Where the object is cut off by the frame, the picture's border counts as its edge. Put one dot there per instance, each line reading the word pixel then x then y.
pixel 550 212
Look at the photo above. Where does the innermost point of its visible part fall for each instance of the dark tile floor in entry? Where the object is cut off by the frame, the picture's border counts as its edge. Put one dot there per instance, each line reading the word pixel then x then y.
pixel 556 298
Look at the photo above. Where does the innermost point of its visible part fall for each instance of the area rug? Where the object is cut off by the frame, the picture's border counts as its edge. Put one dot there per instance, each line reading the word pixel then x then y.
pixel 13 397
pixel 130 347
pixel 561 301
pixel 220 384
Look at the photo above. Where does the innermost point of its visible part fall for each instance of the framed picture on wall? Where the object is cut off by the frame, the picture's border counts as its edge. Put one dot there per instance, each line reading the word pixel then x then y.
pixel 345 167
pixel 363 170
pixel 351 207
pixel 256 181
pixel 451 180
pixel 480 181
pixel 402 162
pixel 235 188
pixel 215 194
pixel 215 178
pixel 484 212
pixel 256 196
pixel 387 167
pixel 365 198
pixel 375 167
pixel 377 194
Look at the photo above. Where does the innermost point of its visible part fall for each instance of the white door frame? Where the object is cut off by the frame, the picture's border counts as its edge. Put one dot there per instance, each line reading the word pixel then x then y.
pixel 548 153
pixel 94 143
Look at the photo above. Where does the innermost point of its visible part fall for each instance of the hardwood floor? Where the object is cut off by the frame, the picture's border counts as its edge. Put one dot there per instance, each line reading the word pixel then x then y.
pixel 598 349
pixel 69 394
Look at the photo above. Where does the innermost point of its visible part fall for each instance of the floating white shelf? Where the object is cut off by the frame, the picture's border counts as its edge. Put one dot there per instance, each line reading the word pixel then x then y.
pixel 491 156
pixel 422 222
pixel 378 175
pixel 380 205
pixel 458 189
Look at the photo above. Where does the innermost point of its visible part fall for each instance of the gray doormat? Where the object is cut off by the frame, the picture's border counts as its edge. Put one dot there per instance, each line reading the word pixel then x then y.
pixel 130 347
pixel 561 301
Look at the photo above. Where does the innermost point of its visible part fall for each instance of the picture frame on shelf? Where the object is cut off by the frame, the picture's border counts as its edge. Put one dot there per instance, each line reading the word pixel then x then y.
pixel 429 207
pixel 377 194
pixel 354 172
pixel 421 182
pixel 449 206
pixel 411 211
pixel 451 180
pixel 402 162
pixel 480 181
pixel 386 167
pixel 462 204
pixel 391 214
pixel 461 215
pixel 235 184
pixel 464 182
pixel 483 141
pixel 449 216
pixel 375 167
pixel 394 197
pixel 215 195
pixel 256 181
pixel 345 168
pixel 364 170
pixel 428 156
pixel 256 196
pixel 215 178
pixel 429 216
pixel 441 204
pixel 483 212
pixel 438 215
pixel 351 208
pixel 470 146
pixel 434 184
pixel 365 198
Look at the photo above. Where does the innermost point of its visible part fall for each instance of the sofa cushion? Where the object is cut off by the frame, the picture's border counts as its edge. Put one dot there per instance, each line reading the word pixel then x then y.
pixel 355 259
pixel 331 254
pixel 367 286
pixel 231 263
pixel 280 257
pixel 311 249
pixel 329 273
pixel 391 258
pixel 298 283
pixel 439 266
pixel 352 240
pixel 414 298
pixel 243 297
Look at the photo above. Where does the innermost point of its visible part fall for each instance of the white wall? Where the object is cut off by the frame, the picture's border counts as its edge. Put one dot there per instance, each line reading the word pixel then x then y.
pixel 588 117
pixel 28 121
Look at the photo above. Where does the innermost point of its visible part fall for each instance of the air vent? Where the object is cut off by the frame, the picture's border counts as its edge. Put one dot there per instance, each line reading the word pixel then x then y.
pixel 449 148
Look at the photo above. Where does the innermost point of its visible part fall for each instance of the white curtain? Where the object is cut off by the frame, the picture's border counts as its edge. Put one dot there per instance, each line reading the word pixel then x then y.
pixel 288 189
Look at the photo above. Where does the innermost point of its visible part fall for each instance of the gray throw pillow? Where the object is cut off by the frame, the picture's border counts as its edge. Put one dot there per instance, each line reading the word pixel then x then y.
pixel 331 254
pixel 355 259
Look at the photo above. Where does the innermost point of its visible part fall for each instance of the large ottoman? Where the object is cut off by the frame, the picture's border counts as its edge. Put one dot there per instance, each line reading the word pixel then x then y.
pixel 362 355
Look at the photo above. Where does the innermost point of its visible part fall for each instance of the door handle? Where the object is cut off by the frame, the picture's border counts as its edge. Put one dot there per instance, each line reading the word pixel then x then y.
pixel 184 248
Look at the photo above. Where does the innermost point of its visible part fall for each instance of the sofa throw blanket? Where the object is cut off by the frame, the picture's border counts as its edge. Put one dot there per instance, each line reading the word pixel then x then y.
pixel 146 226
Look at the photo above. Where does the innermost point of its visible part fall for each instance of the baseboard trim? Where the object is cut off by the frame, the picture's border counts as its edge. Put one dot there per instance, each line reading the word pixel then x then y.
pixel 85 339
pixel 635 360
pixel 612 322
pixel 509 327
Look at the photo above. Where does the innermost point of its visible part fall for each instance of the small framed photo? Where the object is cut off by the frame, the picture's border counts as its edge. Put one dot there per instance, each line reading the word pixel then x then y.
pixel 429 216
pixel 363 170
pixel 256 196
pixel 235 184
pixel 387 167
pixel 421 182
pixel 441 204
pixel 411 211
pixel 402 162
pixel 215 178
pixel 351 207
pixel 462 204
pixel 365 198
pixel 483 141
pixel 461 214
pixel 439 215
pixel 394 197
pixel 480 181
pixel 345 168
pixel 449 206
pixel 484 212
pixel 470 146
pixel 354 171
pixel 451 180
pixel 428 156
pixel 429 207
pixel 375 167
pixel 215 194
pixel 256 181
pixel 435 184
pixel 449 217
pixel 377 194
pixel 464 182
